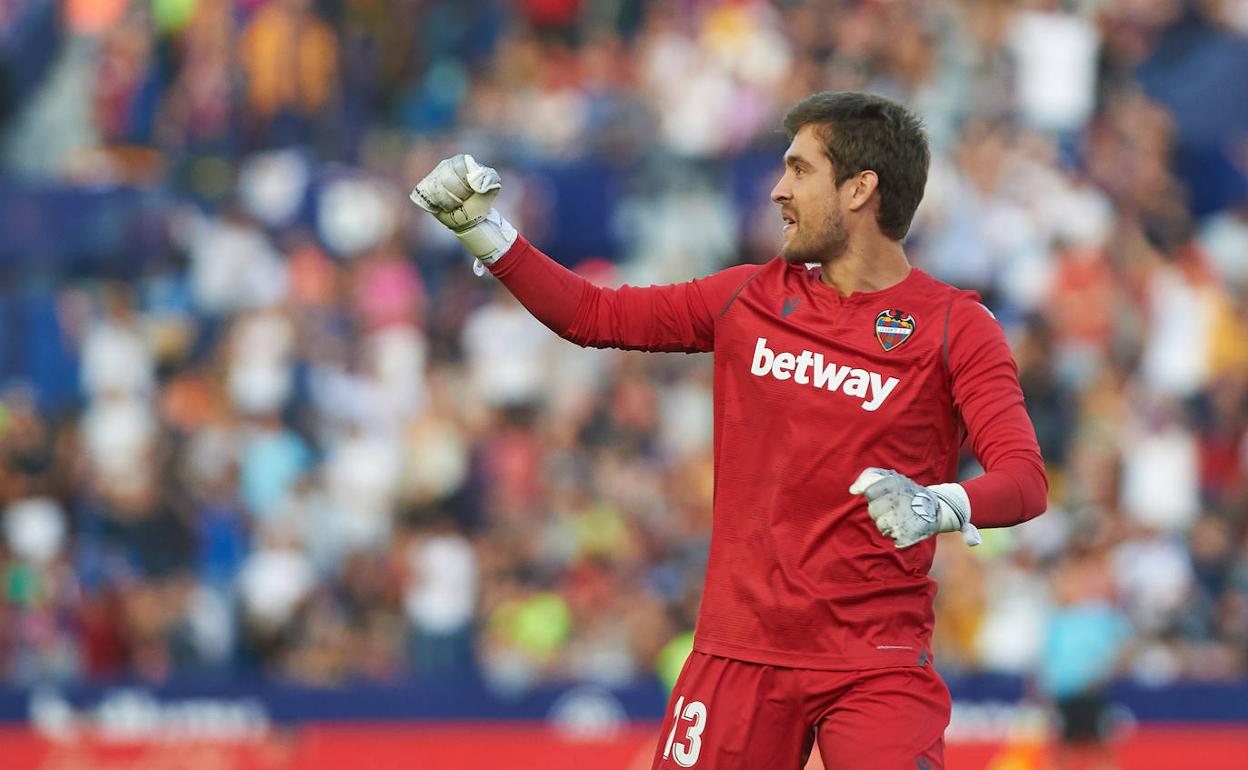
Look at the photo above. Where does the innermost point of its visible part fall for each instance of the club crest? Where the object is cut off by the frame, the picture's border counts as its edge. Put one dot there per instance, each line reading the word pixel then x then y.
pixel 893 327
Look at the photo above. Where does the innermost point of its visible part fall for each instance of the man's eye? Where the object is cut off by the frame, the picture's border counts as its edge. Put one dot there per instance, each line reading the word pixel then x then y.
pixel 799 171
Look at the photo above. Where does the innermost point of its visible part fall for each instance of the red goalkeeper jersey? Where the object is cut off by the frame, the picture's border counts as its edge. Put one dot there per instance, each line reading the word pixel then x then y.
pixel 810 388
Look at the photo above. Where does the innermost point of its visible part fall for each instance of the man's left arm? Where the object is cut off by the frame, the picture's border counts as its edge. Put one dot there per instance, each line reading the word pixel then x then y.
pixel 989 399
pixel 987 396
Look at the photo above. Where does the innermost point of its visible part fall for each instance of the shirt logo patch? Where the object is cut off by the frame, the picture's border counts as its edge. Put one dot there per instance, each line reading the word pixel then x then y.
pixel 790 304
pixel 893 327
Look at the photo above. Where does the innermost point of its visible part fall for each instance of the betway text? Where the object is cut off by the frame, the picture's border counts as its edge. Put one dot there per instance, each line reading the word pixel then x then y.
pixel 807 368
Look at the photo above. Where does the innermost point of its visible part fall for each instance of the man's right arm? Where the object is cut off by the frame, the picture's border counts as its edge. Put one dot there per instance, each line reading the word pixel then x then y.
pixel 676 317
pixel 460 193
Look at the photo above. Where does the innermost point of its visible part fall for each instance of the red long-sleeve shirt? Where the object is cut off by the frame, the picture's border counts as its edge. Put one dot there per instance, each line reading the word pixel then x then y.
pixel 810 388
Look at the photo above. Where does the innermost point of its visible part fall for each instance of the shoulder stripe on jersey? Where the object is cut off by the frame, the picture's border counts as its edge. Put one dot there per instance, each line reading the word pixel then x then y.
pixel 961 426
pixel 731 299
pixel 948 313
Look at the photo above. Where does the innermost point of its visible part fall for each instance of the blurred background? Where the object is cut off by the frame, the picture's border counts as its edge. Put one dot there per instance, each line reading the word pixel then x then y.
pixel 272 459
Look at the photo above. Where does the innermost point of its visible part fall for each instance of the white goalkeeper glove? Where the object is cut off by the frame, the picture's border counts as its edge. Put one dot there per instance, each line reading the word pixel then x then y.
pixel 460 192
pixel 909 513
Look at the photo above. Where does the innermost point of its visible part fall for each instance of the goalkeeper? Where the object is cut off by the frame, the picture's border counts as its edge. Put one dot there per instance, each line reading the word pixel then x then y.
pixel 842 395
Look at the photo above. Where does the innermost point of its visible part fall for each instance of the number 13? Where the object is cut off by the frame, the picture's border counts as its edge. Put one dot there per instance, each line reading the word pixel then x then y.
pixel 695 712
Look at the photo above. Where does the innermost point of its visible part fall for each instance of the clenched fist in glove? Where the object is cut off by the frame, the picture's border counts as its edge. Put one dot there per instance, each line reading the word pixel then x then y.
pixel 460 192
pixel 909 513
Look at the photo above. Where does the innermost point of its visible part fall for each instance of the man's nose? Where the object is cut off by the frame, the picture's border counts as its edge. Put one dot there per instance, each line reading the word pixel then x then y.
pixel 781 193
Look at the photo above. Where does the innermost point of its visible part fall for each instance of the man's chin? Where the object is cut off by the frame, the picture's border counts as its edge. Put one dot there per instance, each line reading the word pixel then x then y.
pixel 795 256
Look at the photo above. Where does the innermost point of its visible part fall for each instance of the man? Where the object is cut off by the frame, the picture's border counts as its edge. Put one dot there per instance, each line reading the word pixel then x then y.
pixel 816 618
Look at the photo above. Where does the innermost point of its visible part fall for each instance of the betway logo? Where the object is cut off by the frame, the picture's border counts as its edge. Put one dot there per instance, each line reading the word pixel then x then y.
pixel 808 368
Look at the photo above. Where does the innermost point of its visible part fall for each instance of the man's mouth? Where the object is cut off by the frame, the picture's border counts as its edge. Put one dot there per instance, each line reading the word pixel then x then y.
pixel 789 221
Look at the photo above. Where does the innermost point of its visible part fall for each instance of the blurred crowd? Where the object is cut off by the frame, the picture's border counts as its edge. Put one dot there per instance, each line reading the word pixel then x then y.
pixel 297 436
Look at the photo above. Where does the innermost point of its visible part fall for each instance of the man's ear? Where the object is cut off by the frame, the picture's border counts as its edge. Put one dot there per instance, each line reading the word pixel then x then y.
pixel 862 186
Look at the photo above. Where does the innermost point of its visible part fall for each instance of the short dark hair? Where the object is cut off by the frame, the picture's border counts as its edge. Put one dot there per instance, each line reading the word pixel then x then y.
pixel 865 131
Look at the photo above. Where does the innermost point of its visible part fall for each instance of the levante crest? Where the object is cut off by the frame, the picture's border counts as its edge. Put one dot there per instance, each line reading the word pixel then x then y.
pixel 893 327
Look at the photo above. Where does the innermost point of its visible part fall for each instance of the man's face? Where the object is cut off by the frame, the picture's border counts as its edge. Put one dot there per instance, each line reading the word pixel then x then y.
pixel 814 225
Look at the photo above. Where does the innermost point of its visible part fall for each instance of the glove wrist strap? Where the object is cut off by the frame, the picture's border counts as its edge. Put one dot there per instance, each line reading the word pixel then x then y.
pixel 490 238
pixel 955 512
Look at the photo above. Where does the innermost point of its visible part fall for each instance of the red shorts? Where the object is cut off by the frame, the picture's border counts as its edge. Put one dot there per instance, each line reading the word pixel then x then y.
pixel 731 715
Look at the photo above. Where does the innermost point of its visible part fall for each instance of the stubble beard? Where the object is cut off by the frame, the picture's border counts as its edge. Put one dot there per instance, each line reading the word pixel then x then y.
pixel 825 245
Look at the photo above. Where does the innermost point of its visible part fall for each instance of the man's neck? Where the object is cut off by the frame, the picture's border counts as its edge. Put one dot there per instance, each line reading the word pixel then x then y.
pixel 870 266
